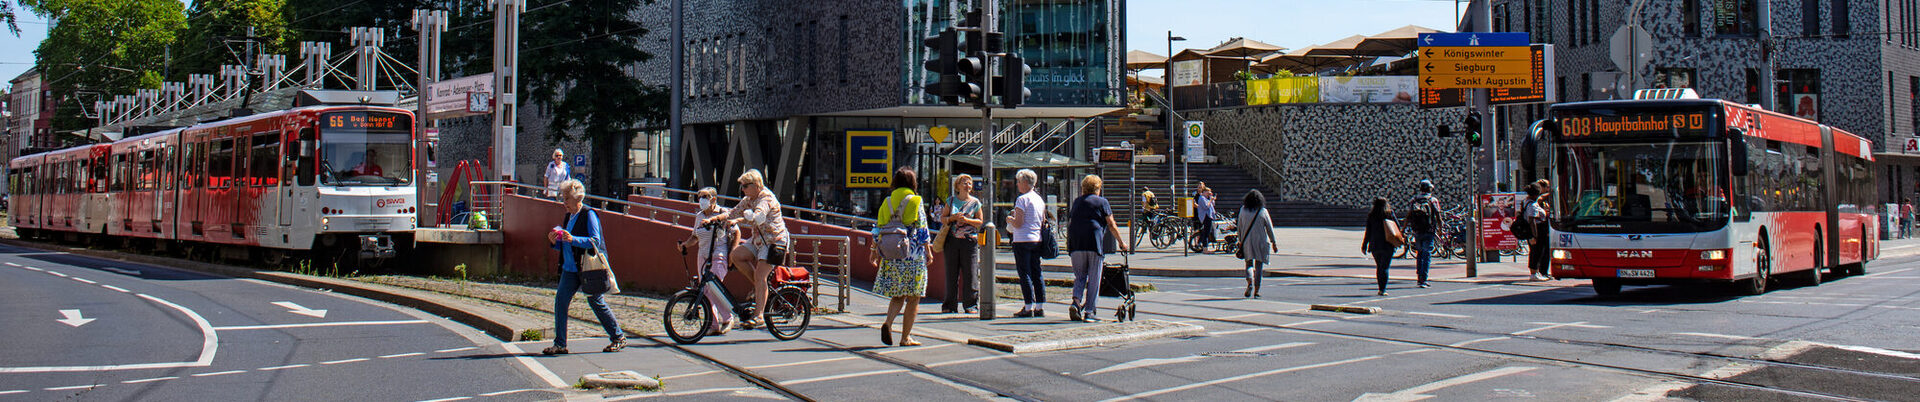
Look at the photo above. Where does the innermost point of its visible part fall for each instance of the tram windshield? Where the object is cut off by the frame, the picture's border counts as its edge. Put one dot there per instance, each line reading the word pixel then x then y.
pixel 365 148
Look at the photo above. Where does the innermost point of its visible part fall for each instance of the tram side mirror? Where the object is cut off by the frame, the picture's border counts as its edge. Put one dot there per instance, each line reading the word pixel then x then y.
pixel 1737 141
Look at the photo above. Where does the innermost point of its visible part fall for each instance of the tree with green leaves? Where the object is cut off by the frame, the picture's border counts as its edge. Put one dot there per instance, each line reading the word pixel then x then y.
pixel 573 64
pixel 97 49
pixel 6 15
pixel 218 33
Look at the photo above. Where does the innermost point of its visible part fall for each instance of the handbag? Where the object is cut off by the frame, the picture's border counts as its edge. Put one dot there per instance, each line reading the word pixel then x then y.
pixel 1049 247
pixel 1393 235
pixel 596 275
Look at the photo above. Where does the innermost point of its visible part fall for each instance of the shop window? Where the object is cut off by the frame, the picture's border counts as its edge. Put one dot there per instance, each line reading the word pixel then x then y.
pixel 1799 93
pixel 1735 18
pixel 1673 77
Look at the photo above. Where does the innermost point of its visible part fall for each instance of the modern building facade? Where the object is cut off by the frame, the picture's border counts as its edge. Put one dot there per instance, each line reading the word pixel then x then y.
pixel 1852 64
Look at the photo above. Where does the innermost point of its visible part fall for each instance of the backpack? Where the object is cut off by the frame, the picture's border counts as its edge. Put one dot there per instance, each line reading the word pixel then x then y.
pixel 894 238
pixel 1522 227
pixel 1420 218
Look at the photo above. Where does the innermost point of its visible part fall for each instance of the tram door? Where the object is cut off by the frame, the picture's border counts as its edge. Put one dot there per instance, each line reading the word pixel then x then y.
pixel 284 190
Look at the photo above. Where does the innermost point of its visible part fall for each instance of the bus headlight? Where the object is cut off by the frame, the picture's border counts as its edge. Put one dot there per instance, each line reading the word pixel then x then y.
pixel 1713 255
pixel 1562 255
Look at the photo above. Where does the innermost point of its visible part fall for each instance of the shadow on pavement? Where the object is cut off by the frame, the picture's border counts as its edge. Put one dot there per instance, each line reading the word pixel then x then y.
pixel 1659 295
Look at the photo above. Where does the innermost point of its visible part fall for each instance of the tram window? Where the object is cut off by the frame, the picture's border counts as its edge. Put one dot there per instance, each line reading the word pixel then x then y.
pixel 265 166
pixel 147 175
pixel 304 166
pixel 220 165
pixel 166 161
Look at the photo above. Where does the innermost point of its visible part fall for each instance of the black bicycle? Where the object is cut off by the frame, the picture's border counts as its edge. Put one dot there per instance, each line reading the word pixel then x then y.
pixel 688 315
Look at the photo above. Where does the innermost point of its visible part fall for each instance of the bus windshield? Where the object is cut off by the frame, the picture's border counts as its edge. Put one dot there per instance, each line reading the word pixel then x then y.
pixel 1669 187
pixel 365 148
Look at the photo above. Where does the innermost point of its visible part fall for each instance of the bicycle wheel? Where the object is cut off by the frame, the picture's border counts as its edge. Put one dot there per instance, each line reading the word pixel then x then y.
pixel 788 313
pixel 687 317
pixel 1163 235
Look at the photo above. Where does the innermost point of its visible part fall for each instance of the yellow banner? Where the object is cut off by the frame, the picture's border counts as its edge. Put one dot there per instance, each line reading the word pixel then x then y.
pixel 1295 89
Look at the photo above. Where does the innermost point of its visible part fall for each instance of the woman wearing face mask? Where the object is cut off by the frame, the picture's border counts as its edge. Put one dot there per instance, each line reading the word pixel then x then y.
pixel 711 258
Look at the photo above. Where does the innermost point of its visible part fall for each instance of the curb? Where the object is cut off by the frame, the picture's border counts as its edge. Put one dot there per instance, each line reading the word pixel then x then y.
pixel 1346 309
pixel 628 379
pixel 1168 329
pixel 1235 273
pixel 1067 283
pixel 497 324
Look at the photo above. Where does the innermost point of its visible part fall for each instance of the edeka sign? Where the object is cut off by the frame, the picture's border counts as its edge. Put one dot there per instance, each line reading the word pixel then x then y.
pixel 869 158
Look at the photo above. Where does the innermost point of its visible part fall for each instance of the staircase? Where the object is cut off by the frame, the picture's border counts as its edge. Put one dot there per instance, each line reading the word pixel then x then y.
pixel 1229 182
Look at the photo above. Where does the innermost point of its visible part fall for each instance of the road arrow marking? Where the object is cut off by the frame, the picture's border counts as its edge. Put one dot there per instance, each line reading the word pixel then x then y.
pixel 1416 393
pixel 1143 363
pixel 73 318
pixel 301 310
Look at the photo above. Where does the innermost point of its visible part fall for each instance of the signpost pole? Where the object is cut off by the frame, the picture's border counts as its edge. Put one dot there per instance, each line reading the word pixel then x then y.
pixel 986 289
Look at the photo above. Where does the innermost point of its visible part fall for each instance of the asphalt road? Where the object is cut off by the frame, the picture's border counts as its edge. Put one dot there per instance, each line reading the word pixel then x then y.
pixel 1852 338
pixel 76 327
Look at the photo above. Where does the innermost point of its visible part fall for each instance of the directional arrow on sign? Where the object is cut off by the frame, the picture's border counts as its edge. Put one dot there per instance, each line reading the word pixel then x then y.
pixel 1429 81
pixel 73 318
pixel 301 310
pixel 1429 67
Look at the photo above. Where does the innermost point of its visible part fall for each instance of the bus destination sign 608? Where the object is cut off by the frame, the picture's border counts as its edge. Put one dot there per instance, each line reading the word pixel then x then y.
pixel 1664 125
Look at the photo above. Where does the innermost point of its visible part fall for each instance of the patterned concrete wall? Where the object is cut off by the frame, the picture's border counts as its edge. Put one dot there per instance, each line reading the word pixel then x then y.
pixel 1344 154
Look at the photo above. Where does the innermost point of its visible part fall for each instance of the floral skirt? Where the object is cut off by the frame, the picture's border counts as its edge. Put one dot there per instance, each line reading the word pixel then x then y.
pixel 905 277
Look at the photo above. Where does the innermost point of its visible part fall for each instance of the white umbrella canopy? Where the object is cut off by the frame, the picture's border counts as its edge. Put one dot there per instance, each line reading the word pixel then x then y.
pixel 1300 61
pixel 1144 60
pixel 1395 42
pixel 1342 47
pixel 1243 48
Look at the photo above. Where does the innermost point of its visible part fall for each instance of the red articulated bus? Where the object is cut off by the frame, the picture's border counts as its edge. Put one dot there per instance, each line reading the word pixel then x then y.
pixel 335 180
pixel 1701 190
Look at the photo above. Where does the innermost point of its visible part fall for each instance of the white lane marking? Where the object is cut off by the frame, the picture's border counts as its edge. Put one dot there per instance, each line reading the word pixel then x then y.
pixel 914 348
pixel 1553 325
pixel 538 370
pixel 301 310
pixel 12 264
pixel 1307 322
pixel 1465 343
pixel 319 324
pixel 683 393
pixel 1721 336
pixel 35 269
pixel 74 387
pixel 116 288
pixel 499 393
pixel 457 398
pixel 290 366
pixel 1240 316
pixel 972 360
pixel 209 346
pixel 1419 392
pixel 688 375
pixel 402 355
pixel 455 350
pixel 16 391
pixel 803 363
pixel 1441 315
pixel 842 376
pixel 149 380
pixel 1210 383
pixel 1806 303
pixel 344 361
pixel 1150 362
pixel 84 280
pixel 219 373
pixel 73 318
pixel 1414 295
pixel 1235 331
pixel 121 271
pixel 1873 350
pixel 1887 273
pixel 57 273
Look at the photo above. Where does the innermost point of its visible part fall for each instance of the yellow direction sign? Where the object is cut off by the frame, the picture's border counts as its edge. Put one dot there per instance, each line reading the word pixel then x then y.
pixel 1447 67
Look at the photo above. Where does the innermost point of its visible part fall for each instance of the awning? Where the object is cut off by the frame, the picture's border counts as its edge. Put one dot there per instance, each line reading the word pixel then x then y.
pixel 1025 160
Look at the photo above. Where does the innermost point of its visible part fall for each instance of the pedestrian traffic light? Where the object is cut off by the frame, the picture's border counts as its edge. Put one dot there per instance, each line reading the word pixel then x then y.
pixel 1013 81
pixel 945 49
pixel 1472 130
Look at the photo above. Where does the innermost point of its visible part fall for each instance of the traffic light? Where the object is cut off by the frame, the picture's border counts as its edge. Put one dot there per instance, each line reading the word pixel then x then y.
pixel 1013 81
pixel 946 53
pixel 1472 130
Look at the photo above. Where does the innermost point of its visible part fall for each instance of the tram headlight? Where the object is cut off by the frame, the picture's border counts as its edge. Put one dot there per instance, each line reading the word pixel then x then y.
pixel 1562 255
pixel 1713 255
pixel 323 223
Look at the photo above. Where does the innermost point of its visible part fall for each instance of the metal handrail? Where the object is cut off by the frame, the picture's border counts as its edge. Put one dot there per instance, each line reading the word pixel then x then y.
pixel 843 270
pixel 1051 133
pixel 690 193
pixel 1076 133
pixel 1017 137
pixel 652 209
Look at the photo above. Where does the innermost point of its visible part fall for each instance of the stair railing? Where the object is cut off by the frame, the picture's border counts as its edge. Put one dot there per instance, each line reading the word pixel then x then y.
pixel 1051 133
pixel 1248 153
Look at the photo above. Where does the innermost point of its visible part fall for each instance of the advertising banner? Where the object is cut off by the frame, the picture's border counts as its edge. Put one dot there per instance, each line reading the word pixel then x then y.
pixel 1260 92
pixel 1497 211
pixel 1187 73
pixel 869 158
pixel 1375 89
pixel 1296 89
pixel 1196 141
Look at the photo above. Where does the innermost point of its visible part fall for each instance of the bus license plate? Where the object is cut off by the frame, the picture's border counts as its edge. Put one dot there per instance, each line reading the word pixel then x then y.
pixel 1636 273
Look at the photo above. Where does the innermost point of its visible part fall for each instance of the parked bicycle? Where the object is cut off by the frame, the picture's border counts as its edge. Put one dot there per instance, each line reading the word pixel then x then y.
pixel 1160 229
pixel 688 315
pixel 1225 232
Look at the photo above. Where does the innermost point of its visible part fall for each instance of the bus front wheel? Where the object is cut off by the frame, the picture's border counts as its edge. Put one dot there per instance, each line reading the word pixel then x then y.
pixel 1762 270
pixel 1606 287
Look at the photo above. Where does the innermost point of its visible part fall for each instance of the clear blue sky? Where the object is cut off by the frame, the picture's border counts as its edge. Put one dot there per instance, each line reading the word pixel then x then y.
pixel 1205 23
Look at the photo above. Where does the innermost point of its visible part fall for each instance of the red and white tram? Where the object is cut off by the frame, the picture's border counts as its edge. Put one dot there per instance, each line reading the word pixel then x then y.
pixel 337 179
pixel 1700 190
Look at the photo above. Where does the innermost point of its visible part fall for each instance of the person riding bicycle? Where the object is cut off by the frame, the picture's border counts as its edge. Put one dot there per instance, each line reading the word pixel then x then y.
pixel 1423 223
pixel 711 258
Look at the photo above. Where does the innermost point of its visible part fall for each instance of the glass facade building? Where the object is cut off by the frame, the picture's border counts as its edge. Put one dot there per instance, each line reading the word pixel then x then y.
pixel 1072 47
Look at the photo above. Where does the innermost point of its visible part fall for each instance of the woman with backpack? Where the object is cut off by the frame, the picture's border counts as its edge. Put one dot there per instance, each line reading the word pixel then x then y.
pixel 1381 238
pixel 1534 214
pixel 580 237
pixel 1256 238
pixel 902 239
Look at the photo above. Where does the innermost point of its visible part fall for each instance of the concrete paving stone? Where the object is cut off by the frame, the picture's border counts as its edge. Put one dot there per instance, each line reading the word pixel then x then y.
pixel 619 379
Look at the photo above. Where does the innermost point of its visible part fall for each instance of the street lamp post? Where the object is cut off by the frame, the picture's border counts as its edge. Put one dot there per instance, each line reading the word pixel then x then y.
pixel 1173 188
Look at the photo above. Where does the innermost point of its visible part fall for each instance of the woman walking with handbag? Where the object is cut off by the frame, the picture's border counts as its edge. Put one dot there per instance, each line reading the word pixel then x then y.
pixel 1029 212
pixel 758 210
pixel 1256 238
pixel 960 246
pixel 1381 238
pixel 902 232
pixel 581 240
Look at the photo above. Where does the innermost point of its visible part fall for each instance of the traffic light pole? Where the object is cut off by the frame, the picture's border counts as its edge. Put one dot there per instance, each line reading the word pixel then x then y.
pixel 1482 22
pixel 987 300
